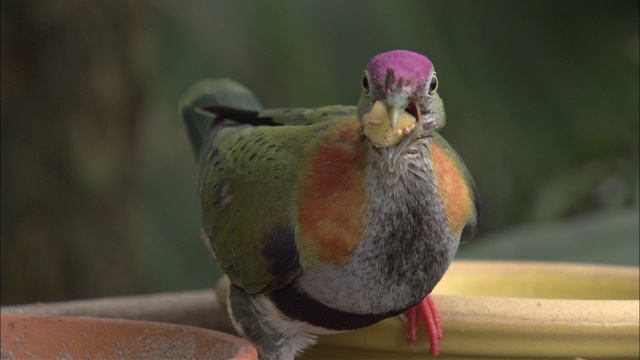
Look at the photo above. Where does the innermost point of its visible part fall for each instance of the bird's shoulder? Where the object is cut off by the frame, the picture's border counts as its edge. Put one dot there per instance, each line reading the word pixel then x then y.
pixel 305 116
pixel 456 188
pixel 250 172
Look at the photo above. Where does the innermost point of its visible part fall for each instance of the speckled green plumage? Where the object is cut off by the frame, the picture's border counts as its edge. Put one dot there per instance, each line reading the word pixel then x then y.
pixel 259 166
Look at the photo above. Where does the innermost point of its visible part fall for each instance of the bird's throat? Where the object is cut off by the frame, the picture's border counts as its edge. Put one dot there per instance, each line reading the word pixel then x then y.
pixel 392 153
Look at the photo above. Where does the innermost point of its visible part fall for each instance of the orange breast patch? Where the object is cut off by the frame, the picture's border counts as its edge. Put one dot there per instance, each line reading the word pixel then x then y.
pixel 452 188
pixel 331 197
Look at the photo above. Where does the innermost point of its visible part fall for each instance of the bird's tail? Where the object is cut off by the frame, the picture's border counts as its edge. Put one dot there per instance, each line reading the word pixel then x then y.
pixel 224 92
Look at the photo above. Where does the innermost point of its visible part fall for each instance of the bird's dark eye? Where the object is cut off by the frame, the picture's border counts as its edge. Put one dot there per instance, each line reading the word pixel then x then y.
pixel 433 85
pixel 365 83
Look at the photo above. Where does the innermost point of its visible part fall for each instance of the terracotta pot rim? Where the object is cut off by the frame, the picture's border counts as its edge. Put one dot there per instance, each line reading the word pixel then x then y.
pixel 44 336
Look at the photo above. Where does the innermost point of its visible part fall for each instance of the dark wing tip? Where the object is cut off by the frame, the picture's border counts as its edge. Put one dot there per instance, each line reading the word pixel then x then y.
pixel 242 116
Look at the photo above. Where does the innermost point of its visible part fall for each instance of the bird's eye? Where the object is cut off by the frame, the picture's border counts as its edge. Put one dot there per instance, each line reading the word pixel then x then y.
pixel 365 83
pixel 433 85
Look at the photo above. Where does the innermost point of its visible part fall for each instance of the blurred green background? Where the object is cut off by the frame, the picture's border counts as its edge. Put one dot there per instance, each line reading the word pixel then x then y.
pixel 98 179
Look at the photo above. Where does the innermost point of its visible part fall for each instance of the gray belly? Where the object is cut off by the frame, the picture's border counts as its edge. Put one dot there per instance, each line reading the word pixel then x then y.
pixel 385 273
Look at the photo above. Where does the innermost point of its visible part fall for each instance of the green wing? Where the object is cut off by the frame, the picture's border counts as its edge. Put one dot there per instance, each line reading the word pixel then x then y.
pixel 301 116
pixel 248 173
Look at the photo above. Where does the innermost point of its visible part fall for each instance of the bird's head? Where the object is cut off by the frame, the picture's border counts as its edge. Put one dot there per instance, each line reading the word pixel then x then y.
pixel 399 103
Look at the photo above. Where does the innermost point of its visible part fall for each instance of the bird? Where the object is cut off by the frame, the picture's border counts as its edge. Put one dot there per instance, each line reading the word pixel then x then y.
pixel 334 218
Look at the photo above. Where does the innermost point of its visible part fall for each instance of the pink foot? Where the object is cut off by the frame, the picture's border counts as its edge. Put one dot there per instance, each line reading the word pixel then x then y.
pixel 427 311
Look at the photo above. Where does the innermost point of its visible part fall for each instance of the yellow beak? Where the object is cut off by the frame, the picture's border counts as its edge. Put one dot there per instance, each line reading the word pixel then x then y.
pixel 389 127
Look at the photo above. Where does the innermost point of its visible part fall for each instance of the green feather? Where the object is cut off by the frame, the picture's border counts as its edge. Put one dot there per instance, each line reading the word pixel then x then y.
pixel 211 91
pixel 243 164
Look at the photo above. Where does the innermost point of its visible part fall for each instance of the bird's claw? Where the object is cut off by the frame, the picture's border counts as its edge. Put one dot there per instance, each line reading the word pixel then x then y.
pixel 427 311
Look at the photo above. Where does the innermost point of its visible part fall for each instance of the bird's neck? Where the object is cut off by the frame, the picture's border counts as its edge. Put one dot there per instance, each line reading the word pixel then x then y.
pixel 413 168
pixel 407 215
